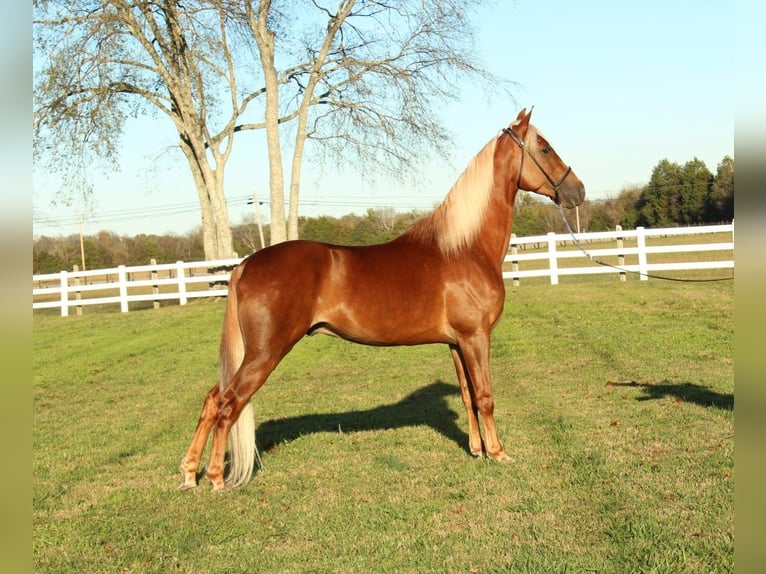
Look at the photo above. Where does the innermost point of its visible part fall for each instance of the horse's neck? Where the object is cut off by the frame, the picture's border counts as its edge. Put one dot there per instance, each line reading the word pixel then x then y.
pixel 498 221
pixel 495 236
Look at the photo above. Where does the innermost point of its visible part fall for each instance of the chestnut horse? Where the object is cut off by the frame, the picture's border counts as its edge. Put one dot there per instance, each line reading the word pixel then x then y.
pixel 439 282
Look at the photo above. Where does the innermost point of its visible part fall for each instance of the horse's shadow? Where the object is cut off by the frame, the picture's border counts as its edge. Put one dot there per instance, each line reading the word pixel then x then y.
pixel 425 407
pixel 686 392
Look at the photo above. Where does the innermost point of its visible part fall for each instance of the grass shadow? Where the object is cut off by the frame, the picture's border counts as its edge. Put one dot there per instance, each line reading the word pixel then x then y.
pixel 426 406
pixel 687 392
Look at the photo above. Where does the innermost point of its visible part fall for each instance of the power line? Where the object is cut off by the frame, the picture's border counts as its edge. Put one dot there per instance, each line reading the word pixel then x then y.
pixel 402 202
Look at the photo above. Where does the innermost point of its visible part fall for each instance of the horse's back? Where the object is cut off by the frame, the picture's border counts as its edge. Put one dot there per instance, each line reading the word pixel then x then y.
pixel 396 265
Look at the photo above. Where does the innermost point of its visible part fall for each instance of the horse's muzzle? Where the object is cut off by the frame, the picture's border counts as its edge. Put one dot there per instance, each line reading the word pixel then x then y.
pixel 571 193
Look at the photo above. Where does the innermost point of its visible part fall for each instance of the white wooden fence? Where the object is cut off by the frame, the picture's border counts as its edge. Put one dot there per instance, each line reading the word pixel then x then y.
pixel 629 245
pixel 551 255
pixel 179 281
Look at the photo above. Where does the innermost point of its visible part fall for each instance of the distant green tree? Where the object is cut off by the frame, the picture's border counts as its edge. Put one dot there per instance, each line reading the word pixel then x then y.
pixel 658 205
pixel 676 195
pixel 181 247
pixel 143 248
pixel 324 228
pixel 46 262
pixel 527 216
pixel 377 226
pixel 599 219
pixel 405 220
pixel 721 203
pixel 364 233
pixel 68 250
pixel 96 255
pixel 606 214
pixel 347 228
pixel 694 192
pixel 114 245
pixel 626 207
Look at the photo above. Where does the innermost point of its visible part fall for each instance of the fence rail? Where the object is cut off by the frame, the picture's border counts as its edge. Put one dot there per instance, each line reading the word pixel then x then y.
pixel 631 253
pixel 552 255
pixel 179 281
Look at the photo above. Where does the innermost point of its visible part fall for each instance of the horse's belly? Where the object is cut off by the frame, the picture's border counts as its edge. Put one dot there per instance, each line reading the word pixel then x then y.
pixel 383 330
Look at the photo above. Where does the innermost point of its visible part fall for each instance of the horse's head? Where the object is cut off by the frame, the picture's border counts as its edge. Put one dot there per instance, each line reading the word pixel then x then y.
pixel 545 173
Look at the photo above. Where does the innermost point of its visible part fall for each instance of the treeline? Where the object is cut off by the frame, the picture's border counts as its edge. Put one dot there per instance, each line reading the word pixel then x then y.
pixel 107 249
pixel 676 195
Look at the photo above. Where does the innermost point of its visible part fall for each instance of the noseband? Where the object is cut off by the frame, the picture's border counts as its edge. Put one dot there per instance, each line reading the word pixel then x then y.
pixel 522 145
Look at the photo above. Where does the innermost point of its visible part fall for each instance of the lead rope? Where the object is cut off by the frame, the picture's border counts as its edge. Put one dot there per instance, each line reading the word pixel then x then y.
pixel 622 269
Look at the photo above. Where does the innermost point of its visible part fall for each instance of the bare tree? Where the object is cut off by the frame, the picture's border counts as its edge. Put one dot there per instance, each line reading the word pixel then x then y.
pixel 100 61
pixel 361 78
pixel 384 219
pixel 368 81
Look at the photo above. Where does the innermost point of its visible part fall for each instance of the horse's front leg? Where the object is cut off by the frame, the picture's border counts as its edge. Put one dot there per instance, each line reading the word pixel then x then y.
pixel 475 352
pixel 475 445
pixel 190 462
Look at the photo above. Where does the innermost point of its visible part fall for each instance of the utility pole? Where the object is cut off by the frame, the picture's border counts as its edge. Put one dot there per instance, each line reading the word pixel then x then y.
pixel 577 214
pixel 82 245
pixel 258 217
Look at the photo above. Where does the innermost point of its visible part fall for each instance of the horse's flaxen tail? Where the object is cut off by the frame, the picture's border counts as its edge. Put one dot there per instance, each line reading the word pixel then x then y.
pixel 241 441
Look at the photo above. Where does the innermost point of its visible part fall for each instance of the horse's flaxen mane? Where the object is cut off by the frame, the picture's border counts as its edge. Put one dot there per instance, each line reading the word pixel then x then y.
pixel 454 224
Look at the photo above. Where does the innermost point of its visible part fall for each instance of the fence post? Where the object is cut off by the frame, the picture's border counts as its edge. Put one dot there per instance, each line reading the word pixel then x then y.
pixel 641 242
pixel 553 262
pixel 180 276
pixel 620 255
pixel 78 293
pixel 122 282
pixel 155 288
pixel 514 262
pixel 64 294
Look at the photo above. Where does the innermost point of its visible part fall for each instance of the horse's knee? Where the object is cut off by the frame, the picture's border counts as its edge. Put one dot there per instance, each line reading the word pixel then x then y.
pixel 485 402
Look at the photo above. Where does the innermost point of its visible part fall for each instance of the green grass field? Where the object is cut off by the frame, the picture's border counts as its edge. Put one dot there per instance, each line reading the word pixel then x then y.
pixel 615 399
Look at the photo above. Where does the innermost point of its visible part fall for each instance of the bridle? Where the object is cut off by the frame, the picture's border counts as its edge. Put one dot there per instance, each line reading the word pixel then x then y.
pixel 522 145
pixel 576 241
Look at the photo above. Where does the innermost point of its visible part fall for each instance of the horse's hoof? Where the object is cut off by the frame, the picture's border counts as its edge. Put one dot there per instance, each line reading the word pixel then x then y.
pixel 187 486
pixel 502 457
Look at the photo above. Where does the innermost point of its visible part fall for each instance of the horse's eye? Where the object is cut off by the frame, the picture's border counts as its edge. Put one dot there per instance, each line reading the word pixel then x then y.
pixel 546 150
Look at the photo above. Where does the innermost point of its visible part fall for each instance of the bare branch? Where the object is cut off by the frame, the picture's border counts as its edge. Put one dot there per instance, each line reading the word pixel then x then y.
pixel 355 81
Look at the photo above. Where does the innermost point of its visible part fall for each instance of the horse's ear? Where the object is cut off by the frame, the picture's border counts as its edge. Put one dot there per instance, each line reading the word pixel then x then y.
pixel 522 122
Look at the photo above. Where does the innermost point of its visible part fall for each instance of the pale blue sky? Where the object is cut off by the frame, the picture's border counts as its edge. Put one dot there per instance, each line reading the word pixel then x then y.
pixel 616 88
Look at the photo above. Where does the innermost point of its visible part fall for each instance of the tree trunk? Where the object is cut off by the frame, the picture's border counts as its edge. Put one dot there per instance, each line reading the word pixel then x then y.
pixel 344 9
pixel 295 186
pixel 217 238
pixel 265 40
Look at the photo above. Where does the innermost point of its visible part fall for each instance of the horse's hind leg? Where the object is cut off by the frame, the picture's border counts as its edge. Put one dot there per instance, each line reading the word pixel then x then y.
pixel 190 463
pixel 250 377
pixel 475 445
